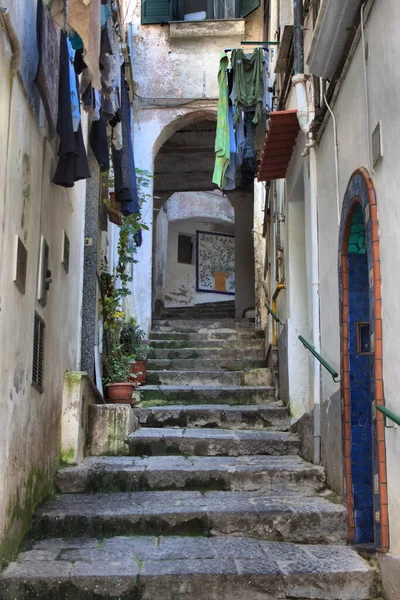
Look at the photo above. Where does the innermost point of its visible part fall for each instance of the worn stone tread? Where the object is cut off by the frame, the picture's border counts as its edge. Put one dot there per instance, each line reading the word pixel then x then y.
pixel 228 351
pixel 195 378
pixel 223 416
pixel 207 335
pixel 151 441
pixel 273 474
pixel 243 344
pixel 199 326
pixel 154 568
pixel 207 394
pixel 204 364
pixel 291 518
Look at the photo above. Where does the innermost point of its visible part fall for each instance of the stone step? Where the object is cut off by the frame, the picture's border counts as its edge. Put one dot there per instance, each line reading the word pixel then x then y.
pixel 202 307
pixel 272 474
pixel 153 395
pixel 243 344
pixel 219 378
pixel 294 518
pixel 229 351
pixel 214 378
pixel 221 416
pixel 219 334
pixel 220 315
pixel 154 568
pixel 204 364
pixel 149 441
pixel 189 325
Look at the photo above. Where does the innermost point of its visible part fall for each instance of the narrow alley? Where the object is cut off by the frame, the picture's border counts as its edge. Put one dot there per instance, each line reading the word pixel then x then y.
pixel 213 501
pixel 199 233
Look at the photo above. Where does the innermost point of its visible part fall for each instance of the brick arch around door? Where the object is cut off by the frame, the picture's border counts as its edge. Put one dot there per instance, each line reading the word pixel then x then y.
pixel 361 365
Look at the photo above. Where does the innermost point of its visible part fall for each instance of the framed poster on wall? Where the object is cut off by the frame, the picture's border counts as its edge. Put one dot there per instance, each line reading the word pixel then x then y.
pixel 215 263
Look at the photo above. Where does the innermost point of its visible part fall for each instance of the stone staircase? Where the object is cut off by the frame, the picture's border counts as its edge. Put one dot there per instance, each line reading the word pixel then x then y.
pixel 212 502
pixel 208 310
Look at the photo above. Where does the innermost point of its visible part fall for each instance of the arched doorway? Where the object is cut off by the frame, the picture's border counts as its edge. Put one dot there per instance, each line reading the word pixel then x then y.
pixel 361 365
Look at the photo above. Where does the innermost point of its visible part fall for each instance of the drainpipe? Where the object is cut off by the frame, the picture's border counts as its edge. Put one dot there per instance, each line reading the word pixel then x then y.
pixel 305 115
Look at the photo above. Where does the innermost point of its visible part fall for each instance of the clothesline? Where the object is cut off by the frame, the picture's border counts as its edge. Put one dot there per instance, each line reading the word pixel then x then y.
pixel 261 47
pixel 243 89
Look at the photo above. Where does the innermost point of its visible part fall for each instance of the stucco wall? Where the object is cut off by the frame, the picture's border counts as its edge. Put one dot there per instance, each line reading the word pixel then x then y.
pixel 175 84
pixel 383 93
pixel 30 205
pixel 180 287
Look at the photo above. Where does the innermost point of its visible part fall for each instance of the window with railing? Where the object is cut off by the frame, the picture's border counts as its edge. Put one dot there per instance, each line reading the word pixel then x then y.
pixel 165 11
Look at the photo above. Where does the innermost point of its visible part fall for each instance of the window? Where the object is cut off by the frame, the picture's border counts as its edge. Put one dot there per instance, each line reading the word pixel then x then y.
pixel 185 249
pixel 164 11
pixel 38 353
pixel 363 338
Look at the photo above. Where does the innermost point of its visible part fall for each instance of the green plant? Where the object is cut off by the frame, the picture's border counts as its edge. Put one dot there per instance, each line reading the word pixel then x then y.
pixel 116 362
pixel 133 340
pixel 114 286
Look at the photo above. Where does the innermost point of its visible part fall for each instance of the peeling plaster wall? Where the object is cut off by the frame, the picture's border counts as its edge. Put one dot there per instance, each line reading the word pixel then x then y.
pixel 181 278
pixel 161 257
pixel 30 205
pixel 244 250
pixel 175 82
pixel 192 205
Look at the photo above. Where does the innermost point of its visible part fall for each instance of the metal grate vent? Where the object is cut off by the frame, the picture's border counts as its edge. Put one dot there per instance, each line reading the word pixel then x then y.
pixel 38 353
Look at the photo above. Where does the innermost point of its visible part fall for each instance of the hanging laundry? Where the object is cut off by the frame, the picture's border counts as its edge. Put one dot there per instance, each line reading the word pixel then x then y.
pixel 248 81
pixel 248 169
pixel 99 143
pixel 76 113
pixel 123 161
pixel 84 17
pixel 72 163
pixel 230 175
pixel 222 139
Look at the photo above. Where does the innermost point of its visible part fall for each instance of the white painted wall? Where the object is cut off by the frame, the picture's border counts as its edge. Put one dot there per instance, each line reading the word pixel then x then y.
pixel 383 93
pixel 298 313
pixel 31 206
pixel 180 288
pixel 259 242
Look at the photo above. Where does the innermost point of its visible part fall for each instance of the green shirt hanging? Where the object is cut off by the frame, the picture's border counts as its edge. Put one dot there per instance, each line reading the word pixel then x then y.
pixel 222 141
pixel 248 83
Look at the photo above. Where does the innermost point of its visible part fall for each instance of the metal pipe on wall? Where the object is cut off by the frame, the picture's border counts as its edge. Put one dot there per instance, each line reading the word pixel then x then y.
pixel 298 36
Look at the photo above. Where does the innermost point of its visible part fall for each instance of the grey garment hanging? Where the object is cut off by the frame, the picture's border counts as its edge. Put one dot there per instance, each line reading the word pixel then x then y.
pixel 123 160
pixel 72 163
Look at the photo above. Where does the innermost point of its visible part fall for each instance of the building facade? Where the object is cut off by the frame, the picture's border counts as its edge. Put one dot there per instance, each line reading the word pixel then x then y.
pixel 331 221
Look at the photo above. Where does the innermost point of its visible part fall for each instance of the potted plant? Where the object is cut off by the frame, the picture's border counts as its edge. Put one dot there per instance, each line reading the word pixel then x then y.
pixel 115 285
pixel 134 344
pixel 120 384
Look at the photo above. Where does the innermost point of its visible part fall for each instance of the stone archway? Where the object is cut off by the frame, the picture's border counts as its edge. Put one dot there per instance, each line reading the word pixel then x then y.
pixel 361 365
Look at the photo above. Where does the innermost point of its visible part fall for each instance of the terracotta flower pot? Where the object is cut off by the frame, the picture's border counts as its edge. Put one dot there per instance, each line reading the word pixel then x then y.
pixel 114 210
pixel 139 368
pixel 120 393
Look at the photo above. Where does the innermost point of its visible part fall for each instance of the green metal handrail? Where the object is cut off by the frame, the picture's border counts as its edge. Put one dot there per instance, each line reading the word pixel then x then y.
pixel 273 315
pixel 389 414
pixel 323 362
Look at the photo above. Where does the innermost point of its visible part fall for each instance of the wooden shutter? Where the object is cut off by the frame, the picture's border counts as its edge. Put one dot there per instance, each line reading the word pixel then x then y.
pixel 156 11
pixel 247 6
pixel 38 353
